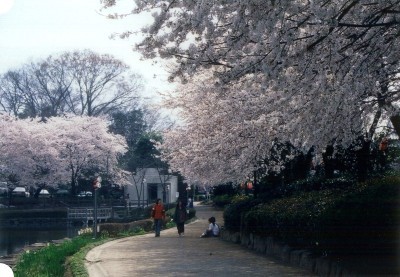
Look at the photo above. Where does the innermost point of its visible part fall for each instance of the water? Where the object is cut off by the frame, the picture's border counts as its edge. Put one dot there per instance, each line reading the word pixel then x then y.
pixel 13 240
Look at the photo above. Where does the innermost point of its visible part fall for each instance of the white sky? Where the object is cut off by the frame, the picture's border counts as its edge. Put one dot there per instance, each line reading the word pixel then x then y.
pixel 34 29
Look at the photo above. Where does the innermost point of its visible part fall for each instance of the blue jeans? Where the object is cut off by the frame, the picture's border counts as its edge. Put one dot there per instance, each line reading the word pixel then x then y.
pixel 157 226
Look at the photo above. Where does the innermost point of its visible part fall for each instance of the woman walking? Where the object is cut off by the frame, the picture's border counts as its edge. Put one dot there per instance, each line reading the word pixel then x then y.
pixel 180 218
pixel 158 214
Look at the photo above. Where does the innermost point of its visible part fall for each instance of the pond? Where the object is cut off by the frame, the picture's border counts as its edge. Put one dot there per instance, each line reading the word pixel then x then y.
pixel 13 240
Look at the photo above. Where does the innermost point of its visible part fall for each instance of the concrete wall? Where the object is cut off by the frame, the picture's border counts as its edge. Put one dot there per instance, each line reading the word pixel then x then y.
pixel 320 266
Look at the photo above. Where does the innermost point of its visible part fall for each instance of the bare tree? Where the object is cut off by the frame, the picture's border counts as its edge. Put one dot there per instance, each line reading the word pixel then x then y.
pixel 156 120
pixel 80 82
pixel 138 183
pixel 103 83
pixel 12 92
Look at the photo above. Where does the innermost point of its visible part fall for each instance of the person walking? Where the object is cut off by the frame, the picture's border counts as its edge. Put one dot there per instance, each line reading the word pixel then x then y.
pixel 158 214
pixel 180 218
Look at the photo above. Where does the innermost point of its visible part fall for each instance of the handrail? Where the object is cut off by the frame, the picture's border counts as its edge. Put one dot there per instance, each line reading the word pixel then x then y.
pixel 88 213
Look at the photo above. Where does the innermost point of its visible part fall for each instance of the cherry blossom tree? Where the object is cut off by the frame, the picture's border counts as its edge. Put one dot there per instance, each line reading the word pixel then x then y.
pixel 309 72
pixel 21 154
pixel 59 150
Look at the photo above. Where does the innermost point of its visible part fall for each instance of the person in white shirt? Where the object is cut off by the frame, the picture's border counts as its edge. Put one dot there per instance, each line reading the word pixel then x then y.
pixel 212 230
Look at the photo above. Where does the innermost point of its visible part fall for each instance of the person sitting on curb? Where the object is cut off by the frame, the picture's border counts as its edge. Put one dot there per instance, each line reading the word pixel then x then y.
pixel 212 230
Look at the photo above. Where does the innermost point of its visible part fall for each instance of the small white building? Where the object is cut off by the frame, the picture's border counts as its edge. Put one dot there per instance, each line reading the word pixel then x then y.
pixel 149 184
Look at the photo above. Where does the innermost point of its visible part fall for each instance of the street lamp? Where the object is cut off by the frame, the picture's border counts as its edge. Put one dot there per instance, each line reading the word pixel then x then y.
pixel 143 184
pixel 168 198
pixel 188 188
pixel 96 186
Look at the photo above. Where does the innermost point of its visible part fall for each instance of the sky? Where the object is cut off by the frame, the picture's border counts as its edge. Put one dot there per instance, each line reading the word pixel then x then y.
pixel 32 30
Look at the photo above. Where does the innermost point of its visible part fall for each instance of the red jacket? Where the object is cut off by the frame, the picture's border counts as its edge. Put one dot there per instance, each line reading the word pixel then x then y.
pixel 158 211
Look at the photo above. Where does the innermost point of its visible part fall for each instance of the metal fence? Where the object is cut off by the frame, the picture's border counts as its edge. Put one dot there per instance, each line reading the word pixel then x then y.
pixel 88 213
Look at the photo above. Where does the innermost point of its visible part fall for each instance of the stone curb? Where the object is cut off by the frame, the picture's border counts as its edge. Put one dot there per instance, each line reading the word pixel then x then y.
pixel 304 259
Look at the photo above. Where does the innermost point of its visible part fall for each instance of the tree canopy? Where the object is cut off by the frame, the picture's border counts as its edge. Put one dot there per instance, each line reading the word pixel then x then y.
pixel 60 150
pixel 80 82
pixel 67 95
pixel 140 137
pixel 309 72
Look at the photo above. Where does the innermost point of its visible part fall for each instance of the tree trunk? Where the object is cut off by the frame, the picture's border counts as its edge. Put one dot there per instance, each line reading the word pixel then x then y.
pixel 374 124
pixel 396 124
pixel 73 184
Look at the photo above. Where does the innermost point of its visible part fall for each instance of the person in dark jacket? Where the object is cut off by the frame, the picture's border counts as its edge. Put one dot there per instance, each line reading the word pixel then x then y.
pixel 180 218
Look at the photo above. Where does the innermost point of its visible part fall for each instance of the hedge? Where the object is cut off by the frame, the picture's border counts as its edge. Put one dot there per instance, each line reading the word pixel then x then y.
pixel 363 217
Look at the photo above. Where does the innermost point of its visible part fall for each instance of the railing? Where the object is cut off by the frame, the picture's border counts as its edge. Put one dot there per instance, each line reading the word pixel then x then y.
pixel 137 203
pixel 88 213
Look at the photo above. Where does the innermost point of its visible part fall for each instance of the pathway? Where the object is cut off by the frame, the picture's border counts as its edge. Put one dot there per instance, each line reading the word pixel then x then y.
pixel 170 255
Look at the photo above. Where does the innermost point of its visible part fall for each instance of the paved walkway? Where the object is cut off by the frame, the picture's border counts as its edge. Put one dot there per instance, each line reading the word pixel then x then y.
pixel 170 255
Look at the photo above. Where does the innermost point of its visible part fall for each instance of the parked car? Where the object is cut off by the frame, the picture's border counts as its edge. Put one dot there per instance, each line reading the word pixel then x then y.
pixel 3 189
pixel 44 193
pixel 85 194
pixel 62 193
pixel 20 192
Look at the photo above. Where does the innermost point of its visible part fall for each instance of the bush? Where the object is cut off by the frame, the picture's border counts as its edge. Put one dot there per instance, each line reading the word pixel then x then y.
pixel 192 213
pixel 233 212
pixel 226 189
pixel 318 183
pixel 240 198
pixel 365 219
pixel 199 197
pixel 115 229
pixel 362 218
pixel 293 219
pixel 222 200
pixel 123 215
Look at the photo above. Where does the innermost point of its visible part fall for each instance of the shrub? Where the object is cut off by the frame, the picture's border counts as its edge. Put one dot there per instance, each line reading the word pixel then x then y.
pixel 222 200
pixel 123 215
pixel 170 224
pixel 233 212
pixel 114 229
pixel 359 218
pixel 240 197
pixel 225 189
pixel 292 219
pixel 192 213
pixel 365 219
pixel 316 184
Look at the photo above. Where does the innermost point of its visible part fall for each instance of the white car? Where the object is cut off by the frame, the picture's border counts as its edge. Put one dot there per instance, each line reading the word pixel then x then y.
pixel 85 194
pixel 44 193
pixel 20 192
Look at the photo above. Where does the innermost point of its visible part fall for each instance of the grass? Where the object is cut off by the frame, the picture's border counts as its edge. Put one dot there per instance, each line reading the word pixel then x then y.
pixel 50 260
pixel 75 264
pixel 65 259
pixel 68 258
